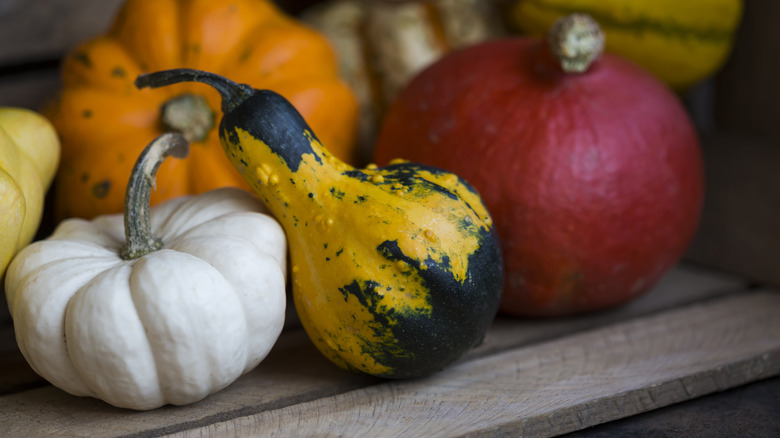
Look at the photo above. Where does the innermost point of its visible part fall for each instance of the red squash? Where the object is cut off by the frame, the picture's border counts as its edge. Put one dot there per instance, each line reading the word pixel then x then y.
pixel 594 179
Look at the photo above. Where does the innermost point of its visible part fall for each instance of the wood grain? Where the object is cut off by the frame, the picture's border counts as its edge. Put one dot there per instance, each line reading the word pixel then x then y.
pixel 295 373
pixel 556 387
pixel 697 332
pixel 682 285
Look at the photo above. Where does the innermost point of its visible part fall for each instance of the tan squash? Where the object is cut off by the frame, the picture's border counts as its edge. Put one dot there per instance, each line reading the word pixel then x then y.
pixel 381 45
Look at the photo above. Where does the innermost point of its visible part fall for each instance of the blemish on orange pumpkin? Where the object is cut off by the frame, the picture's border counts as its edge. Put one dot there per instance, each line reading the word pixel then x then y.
pixel 101 189
pixel 82 58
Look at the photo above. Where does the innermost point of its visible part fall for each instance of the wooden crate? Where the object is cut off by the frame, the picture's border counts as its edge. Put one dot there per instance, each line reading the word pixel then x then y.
pixel 696 333
pixel 711 324
pixel 741 142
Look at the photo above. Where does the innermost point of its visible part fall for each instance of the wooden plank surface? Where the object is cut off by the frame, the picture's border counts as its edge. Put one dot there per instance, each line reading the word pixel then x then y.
pixel 749 411
pixel 556 387
pixel 682 285
pixel 699 331
pixel 295 375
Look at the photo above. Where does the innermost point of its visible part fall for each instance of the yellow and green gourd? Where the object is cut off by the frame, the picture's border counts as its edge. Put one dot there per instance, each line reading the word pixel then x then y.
pixel 396 271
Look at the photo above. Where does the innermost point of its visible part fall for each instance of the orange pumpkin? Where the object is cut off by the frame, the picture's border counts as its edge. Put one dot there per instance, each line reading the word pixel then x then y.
pixel 104 121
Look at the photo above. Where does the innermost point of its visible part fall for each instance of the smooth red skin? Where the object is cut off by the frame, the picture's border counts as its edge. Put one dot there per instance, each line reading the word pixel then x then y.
pixel 594 181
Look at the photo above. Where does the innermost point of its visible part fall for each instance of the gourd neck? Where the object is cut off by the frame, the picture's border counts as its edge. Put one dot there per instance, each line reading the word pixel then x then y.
pixel 576 41
pixel 233 94
pixel 139 239
pixel 277 153
pixel 264 116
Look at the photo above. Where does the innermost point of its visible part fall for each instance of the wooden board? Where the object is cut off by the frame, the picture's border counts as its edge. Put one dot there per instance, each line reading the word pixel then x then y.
pixel 556 387
pixel 750 411
pixel 35 30
pixel 697 332
pixel 739 229
pixel 747 99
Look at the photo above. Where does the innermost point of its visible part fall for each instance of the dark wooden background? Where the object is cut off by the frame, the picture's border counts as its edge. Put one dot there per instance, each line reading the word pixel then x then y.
pixel 737 112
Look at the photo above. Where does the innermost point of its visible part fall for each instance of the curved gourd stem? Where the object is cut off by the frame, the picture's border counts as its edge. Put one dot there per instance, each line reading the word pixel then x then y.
pixel 264 114
pixel 577 41
pixel 139 240
pixel 232 93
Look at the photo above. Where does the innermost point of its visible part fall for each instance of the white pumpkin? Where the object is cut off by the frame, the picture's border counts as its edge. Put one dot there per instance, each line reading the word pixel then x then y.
pixel 168 327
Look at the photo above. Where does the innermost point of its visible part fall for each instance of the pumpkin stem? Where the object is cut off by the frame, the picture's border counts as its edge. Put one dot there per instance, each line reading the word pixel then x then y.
pixel 188 114
pixel 577 41
pixel 233 93
pixel 139 240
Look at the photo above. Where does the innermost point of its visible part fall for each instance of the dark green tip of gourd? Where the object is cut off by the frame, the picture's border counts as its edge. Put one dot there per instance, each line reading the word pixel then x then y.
pixel 233 93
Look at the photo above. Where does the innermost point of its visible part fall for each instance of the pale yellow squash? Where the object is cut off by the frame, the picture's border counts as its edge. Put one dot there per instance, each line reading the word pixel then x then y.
pixel 29 155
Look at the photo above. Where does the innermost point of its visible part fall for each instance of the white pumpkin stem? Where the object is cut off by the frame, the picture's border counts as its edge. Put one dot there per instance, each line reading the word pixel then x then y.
pixel 139 240
pixel 577 41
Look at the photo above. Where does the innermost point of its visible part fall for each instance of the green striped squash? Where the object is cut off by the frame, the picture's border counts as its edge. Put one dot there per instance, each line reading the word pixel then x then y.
pixel 681 42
